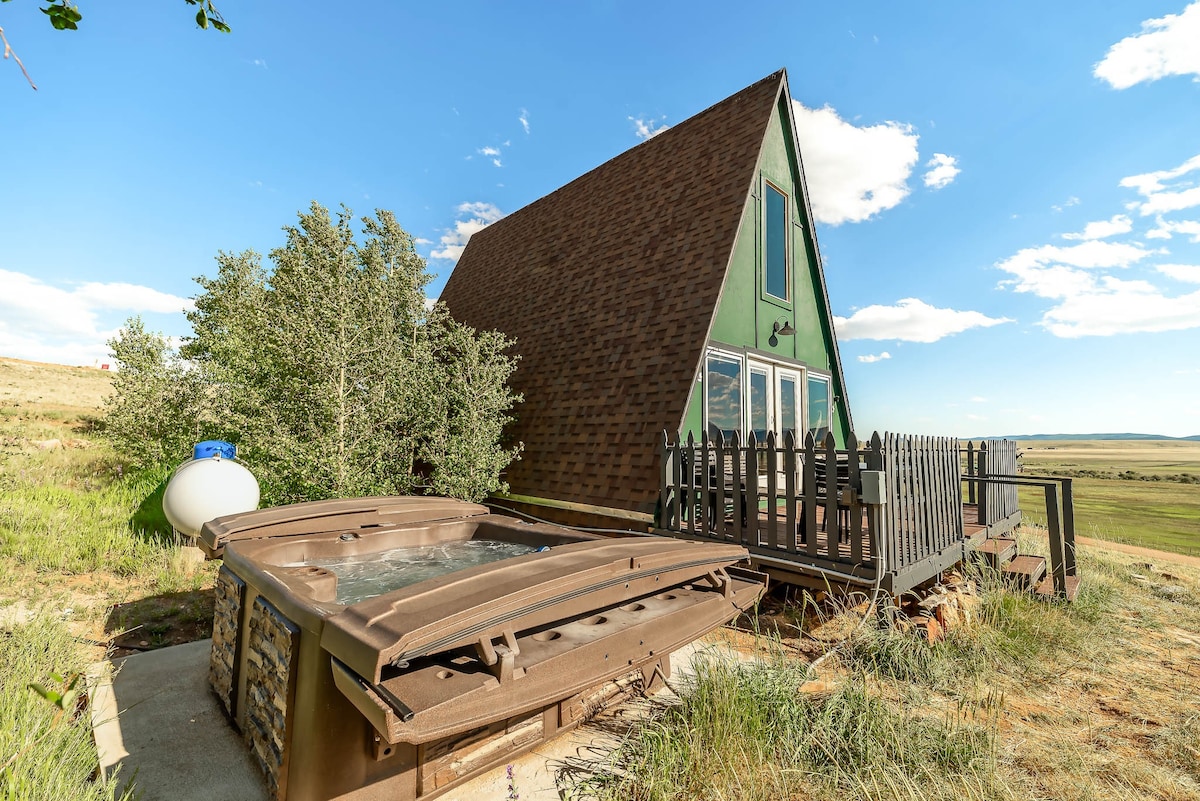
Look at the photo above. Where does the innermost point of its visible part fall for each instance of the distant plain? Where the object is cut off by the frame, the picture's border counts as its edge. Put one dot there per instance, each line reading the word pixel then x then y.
pixel 1144 492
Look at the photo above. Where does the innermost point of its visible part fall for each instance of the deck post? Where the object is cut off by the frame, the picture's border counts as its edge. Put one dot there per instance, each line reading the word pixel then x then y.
pixel 1053 523
pixel 877 527
pixel 981 471
pixel 1068 502
pixel 750 534
pixel 687 480
pixel 789 488
pixel 739 491
pixel 810 494
pixel 666 497
pixel 772 492
pixel 971 486
pixel 719 506
pixel 708 502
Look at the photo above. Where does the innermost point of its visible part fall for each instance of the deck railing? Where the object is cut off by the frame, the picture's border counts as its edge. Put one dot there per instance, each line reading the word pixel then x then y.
pixel 997 502
pixel 893 504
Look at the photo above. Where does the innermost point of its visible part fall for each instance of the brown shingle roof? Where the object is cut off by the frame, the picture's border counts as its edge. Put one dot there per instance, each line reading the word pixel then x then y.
pixel 609 286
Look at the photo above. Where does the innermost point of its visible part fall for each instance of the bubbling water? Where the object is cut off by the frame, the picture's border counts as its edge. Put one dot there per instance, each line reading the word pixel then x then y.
pixel 367 575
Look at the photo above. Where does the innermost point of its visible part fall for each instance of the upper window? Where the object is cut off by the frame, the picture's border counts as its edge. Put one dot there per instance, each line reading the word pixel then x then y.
pixel 776 256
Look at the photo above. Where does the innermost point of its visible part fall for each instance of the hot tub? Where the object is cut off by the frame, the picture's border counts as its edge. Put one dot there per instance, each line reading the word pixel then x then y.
pixel 481 636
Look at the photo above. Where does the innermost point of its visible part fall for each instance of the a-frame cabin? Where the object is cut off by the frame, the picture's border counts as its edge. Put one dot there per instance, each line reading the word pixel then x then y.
pixel 676 287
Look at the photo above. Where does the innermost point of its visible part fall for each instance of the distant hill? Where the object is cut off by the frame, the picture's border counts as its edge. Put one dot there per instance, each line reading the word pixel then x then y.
pixel 1072 437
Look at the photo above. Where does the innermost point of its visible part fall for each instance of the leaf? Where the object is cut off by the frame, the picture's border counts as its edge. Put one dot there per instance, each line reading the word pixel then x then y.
pixel 220 26
pixel 202 19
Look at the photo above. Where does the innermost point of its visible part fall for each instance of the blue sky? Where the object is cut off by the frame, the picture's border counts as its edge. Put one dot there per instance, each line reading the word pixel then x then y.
pixel 1008 195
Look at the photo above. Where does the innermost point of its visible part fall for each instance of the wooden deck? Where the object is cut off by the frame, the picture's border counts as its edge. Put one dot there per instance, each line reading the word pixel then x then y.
pixel 889 512
pixel 767 551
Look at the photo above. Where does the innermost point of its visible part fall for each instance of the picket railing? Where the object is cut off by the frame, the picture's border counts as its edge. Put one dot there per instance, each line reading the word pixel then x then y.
pixel 892 505
pixel 997 501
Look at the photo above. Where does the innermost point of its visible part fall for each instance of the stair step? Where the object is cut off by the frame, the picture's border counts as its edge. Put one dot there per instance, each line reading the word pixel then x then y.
pixel 1026 571
pixel 1046 587
pixel 996 551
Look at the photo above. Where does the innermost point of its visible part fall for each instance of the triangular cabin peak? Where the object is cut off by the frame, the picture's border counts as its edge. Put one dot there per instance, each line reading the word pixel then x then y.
pixel 676 287
pixel 771 362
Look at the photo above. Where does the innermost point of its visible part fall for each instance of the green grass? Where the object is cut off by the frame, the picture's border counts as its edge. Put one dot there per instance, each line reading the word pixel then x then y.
pixel 47 755
pixel 75 512
pixel 1162 513
pixel 745 731
pixel 76 530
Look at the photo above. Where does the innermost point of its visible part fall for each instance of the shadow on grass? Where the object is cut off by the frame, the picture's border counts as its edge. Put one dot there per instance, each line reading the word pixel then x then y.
pixel 160 620
pixel 149 520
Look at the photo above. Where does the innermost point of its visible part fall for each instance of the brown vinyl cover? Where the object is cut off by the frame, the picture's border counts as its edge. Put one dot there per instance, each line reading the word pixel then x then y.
pixel 517 594
pixel 444 698
pixel 339 514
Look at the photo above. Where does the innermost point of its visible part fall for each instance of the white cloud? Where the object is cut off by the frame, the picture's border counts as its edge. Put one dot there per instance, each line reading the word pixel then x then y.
pixel 489 151
pixel 70 325
pixel 1071 201
pixel 472 218
pixel 853 173
pixel 524 120
pixel 1188 273
pixel 1089 300
pixel 1166 46
pixel 871 358
pixel 911 320
pixel 260 62
pixel 1101 229
pixel 1166 228
pixel 420 240
pixel 1163 190
pixel 648 129
pixel 1051 271
pixel 1114 306
pixel 978 399
pixel 497 162
pixel 942 170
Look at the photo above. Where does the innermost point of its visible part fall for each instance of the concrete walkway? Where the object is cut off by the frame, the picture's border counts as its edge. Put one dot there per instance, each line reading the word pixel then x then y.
pixel 157 723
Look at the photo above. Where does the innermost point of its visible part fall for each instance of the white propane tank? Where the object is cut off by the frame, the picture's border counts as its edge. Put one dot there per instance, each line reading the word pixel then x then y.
pixel 211 484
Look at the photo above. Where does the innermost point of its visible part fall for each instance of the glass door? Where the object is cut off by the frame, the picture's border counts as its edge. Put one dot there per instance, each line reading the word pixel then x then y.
pixel 788 404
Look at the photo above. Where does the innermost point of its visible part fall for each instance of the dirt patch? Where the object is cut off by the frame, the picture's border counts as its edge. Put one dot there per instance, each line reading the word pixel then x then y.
pixel 1136 550
pixel 159 621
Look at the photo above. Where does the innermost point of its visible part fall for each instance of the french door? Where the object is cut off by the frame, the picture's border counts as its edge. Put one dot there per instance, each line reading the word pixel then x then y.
pixel 775 399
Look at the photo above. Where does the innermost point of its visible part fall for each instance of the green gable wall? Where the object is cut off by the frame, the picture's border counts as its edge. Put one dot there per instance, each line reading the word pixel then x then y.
pixel 746 314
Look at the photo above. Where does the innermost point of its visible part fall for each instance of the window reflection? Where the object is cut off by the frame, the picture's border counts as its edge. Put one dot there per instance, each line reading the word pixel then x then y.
pixel 723 390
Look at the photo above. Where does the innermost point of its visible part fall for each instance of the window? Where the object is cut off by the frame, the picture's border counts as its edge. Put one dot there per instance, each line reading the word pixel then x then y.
pixel 745 393
pixel 818 406
pixel 788 407
pixel 775 269
pixel 723 394
pixel 760 408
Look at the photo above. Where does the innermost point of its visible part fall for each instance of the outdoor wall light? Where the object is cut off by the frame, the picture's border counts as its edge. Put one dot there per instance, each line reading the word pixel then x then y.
pixel 780 328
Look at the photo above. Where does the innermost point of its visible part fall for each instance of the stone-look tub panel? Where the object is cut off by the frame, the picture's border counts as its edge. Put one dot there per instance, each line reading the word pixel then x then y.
pixel 229 595
pixel 270 672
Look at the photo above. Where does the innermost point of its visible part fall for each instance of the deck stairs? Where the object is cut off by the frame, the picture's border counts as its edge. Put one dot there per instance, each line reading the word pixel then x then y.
pixel 1023 571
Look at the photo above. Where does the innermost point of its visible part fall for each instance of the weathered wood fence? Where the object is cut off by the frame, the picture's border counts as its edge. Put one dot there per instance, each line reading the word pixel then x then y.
pixel 887 511
pixel 997 501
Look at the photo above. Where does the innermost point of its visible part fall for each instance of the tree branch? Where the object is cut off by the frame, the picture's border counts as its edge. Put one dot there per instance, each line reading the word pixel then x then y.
pixel 8 51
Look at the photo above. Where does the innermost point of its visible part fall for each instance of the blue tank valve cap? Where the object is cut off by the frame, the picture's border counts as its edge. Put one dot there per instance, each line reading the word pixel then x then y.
pixel 214 447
